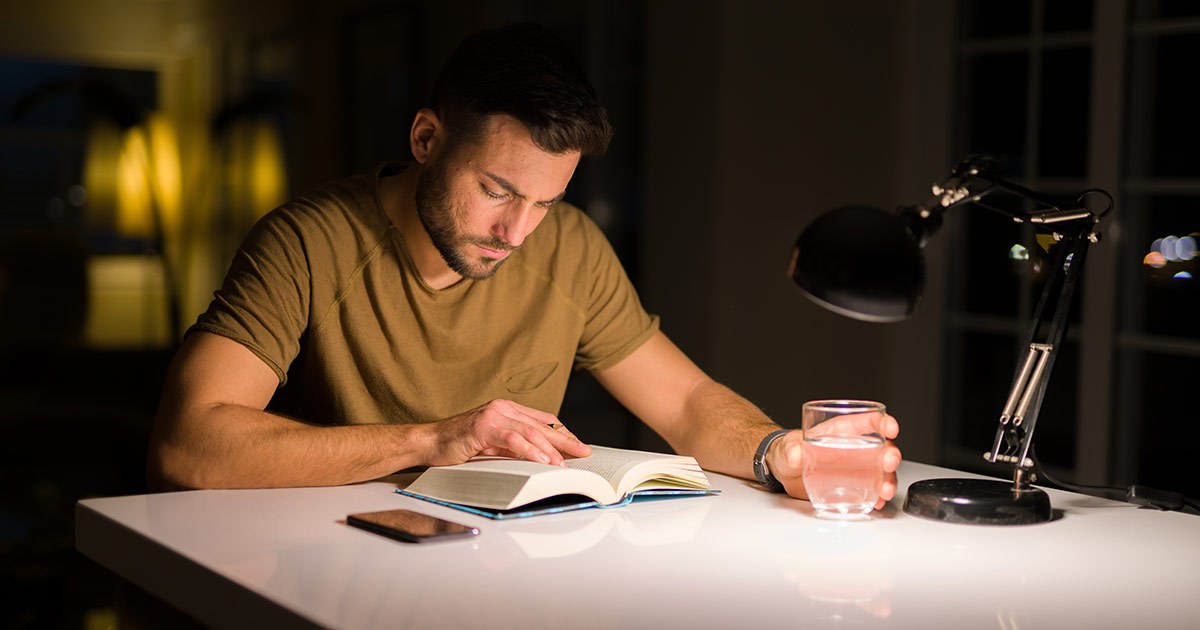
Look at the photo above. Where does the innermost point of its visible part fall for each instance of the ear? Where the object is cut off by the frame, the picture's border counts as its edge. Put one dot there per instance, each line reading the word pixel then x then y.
pixel 425 135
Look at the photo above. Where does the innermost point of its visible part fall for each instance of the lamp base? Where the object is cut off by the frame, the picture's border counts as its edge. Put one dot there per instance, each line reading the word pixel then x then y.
pixel 977 502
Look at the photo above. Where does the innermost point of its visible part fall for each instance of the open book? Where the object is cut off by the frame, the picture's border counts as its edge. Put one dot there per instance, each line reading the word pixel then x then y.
pixel 499 487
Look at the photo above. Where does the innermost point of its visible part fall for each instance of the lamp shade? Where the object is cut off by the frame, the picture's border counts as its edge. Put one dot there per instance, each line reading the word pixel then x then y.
pixel 860 262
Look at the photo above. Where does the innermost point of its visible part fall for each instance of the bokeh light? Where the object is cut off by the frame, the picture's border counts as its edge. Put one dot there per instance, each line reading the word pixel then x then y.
pixel 1185 248
pixel 1175 254
pixel 1175 249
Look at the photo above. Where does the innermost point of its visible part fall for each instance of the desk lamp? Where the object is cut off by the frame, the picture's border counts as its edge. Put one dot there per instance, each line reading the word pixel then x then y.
pixel 867 264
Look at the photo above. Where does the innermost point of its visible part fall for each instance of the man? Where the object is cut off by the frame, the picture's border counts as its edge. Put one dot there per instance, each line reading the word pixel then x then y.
pixel 416 317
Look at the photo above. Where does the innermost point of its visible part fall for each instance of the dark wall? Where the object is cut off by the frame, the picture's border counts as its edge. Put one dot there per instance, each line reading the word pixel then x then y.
pixel 737 122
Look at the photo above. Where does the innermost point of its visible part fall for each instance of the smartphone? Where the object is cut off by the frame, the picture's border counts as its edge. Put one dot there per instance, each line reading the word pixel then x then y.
pixel 409 526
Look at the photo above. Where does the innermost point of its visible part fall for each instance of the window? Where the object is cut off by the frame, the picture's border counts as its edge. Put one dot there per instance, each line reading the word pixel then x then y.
pixel 1073 95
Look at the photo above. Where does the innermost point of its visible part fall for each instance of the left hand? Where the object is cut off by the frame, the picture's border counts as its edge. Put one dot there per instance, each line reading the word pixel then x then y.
pixel 784 460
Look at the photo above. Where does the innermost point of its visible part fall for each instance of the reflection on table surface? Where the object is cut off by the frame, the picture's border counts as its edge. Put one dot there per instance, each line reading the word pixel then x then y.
pixel 742 558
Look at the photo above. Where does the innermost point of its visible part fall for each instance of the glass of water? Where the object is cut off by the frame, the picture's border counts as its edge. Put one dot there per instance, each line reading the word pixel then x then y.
pixel 843 447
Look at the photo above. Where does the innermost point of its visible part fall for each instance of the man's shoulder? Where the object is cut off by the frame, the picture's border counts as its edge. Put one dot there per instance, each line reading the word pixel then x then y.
pixel 339 207
pixel 567 244
pixel 566 223
pixel 356 193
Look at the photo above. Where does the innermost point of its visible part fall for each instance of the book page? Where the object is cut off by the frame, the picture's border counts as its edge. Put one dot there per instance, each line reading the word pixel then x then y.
pixel 606 476
pixel 626 469
pixel 610 463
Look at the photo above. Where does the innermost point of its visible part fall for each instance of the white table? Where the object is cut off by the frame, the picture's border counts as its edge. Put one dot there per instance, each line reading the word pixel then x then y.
pixel 743 559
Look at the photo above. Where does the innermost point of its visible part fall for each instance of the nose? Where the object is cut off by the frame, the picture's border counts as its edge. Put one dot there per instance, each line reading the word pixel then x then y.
pixel 515 223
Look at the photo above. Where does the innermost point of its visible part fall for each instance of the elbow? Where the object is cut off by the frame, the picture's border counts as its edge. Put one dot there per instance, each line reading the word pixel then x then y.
pixel 171 466
pixel 165 473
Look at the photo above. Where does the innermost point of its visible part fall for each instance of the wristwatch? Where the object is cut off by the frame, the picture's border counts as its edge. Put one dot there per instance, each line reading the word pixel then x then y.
pixel 761 472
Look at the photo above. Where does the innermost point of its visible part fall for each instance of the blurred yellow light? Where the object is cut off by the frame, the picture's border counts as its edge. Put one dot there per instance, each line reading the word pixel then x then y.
pixel 127 305
pixel 134 218
pixel 129 176
pixel 268 182
pixel 132 181
pixel 100 172
pixel 164 166
pixel 1155 259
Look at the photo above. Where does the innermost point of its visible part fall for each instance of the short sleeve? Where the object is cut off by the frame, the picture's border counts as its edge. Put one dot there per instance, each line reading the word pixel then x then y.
pixel 264 301
pixel 616 324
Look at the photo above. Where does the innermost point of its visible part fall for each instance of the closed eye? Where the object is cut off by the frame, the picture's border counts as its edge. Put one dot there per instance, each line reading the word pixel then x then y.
pixel 492 194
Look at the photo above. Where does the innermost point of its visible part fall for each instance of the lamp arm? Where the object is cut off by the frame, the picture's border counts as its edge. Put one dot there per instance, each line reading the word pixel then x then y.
pixel 1014 435
pixel 969 183
pixel 995 183
pixel 975 178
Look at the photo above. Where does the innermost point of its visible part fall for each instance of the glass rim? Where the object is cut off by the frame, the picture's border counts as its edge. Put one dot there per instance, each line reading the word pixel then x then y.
pixel 845 404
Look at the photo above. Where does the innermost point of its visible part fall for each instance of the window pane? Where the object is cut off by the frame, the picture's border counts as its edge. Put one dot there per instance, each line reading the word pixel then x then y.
pixel 45 109
pixel 1164 131
pixel 994 108
pixel 996 18
pixel 1162 292
pixel 1067 15
pixel 979 384
pixel 1065 111
pixel 1151 9
pixel 1165 427
pixel 990 283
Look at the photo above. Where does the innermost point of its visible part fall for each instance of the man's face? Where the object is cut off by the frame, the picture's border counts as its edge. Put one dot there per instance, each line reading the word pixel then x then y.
pixel 481 199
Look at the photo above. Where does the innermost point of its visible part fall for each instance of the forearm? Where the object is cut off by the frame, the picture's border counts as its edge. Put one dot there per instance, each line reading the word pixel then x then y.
pixel 720 429
pixel 233 446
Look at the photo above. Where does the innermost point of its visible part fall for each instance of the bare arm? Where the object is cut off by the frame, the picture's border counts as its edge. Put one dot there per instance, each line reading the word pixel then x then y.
pixel 695 414
pixel 702 418
pixel 211 431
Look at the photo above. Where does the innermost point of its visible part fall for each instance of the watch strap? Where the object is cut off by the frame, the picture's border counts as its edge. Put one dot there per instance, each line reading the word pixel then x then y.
pixel 761 472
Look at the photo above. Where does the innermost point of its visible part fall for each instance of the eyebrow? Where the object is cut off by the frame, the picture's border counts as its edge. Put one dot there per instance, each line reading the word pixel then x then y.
pixel 507 185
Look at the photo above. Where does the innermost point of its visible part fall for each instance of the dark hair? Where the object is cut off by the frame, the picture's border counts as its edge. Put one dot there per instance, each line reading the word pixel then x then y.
pixel 525 72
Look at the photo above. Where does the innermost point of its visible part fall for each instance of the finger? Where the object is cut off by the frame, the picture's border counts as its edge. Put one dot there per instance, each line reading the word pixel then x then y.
pixel 533 417
pixel 497 452
pixel 858 423
pixel 528 415
pixel 558 435
pixel 504 426
pixel 891 427
pixel 552 439
pixel 528 443
pixel 887 491
pixel 535 426
pixel 792 450
pixel 573 447
pixel 891 458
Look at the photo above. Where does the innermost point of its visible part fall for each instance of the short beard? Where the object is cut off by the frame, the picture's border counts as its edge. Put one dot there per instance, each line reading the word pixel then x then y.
pixel 433 208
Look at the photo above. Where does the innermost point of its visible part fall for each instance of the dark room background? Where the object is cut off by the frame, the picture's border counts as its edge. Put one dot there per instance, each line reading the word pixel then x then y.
pixel 140 139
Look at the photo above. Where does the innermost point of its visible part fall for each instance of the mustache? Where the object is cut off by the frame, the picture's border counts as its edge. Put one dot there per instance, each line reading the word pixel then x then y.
pixel 494 243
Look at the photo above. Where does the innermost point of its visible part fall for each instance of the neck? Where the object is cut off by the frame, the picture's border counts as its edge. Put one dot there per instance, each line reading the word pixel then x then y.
pixel 398 194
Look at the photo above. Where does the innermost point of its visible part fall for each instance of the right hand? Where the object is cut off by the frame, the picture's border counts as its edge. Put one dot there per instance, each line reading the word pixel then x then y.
pixel 507 429
pixel 785 457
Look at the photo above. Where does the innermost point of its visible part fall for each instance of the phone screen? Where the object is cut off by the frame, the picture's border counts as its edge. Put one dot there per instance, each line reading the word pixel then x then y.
pixel 409 526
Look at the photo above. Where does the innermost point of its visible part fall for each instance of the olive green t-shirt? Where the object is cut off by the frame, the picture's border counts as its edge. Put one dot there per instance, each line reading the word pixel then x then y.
pixel 324 291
